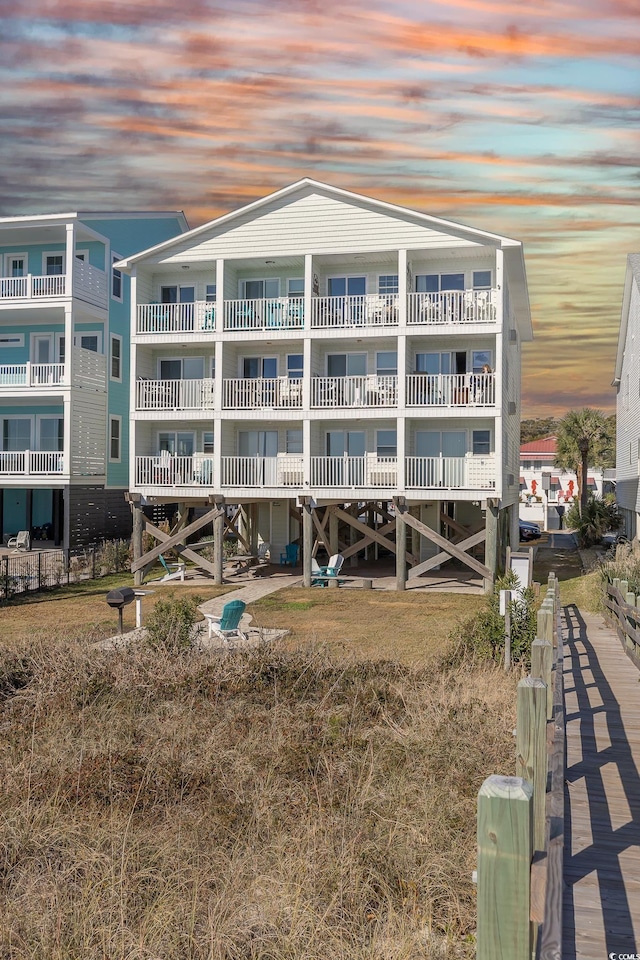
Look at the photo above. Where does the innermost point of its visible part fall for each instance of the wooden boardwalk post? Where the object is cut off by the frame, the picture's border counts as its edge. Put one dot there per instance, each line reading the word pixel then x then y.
pixel 542 667
pixel 531 748
pixel 504 869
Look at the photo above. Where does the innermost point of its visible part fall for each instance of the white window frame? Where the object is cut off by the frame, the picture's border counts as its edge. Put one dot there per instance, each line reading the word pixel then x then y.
pixel 482 270
pixel 32 345
pixel 77 339
pixel 39 420
pixel 298 293
pixel 346 277
pixel 54 253
pixel 114 417
pixel 192 433
pixel 242 286
pixel 179 287
pixel 8 257
pixel 114 259
pixel 20 416
pixel 181 360
pixel 208 453
pixel 9 340
pixel 388 293
pixel 257 356
pixel 380 430
pixel 347 354
pixel 112 337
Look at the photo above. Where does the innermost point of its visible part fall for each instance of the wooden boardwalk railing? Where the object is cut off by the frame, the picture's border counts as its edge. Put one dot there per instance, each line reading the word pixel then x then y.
pixel 521 818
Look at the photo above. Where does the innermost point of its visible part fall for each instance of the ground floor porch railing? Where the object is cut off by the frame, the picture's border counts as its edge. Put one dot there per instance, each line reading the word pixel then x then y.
pixel 31 462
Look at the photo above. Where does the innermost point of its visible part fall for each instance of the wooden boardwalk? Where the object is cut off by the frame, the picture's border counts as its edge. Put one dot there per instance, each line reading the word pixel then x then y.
pixel 602 820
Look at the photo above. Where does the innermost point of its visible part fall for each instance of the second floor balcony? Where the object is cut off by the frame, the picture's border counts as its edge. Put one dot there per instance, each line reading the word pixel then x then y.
pixel 89 284
pixel 433 310
pixel 31 375
pixel 86 368
pixel 31 463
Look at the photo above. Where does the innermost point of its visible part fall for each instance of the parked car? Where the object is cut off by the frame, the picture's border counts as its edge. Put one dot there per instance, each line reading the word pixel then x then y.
pixel 529 530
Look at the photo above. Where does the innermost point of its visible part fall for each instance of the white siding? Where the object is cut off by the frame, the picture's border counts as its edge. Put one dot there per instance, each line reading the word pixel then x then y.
pixel 628 412
pixel 89 434
pixel 313 223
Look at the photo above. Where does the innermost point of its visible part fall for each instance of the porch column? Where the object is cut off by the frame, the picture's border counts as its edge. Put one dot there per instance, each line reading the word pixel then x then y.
pixel 514 526
pixel 491 546
pixel 401 544
pixel 66 436
pixel 219 297
pixel 307 540
pixel 402 288
pixel 70 256
pixel 333 532
pixel 308 295
pixel 218 538
pixel 136 535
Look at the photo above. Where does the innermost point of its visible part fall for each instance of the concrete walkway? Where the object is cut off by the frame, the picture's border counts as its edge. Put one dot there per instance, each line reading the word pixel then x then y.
pixel 602 821
pixel 252 589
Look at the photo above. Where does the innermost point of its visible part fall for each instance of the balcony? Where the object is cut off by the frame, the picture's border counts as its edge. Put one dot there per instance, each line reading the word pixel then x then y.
pixel 89 284
pixel 461 473
pixel 166 470
pixel 175 394
pixel 279 313
pixel 31 375
pixel 284 470
pixel 176 317
pixel 452 306
pixel 366 310
pixel 367 471
pixel 364 391
pixel 451 390
pixel 279 393
pixel 28 463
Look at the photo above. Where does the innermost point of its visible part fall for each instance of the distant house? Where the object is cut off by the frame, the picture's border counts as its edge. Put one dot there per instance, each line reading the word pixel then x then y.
pixel 546 492
pixel 627 383
pixel 64 371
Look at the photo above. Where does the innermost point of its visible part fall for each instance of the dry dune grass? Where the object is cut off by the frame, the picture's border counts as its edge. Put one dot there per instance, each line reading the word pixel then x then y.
pixel 266 805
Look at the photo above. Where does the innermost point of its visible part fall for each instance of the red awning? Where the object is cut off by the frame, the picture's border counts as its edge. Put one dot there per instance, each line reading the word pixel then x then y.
pixel 555 481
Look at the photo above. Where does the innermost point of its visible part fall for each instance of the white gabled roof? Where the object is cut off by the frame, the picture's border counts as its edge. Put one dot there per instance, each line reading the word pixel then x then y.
pixel 632 276
pixel 390 208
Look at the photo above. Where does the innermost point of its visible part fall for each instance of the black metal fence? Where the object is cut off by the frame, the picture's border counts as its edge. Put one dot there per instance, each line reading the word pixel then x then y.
pixel 44 570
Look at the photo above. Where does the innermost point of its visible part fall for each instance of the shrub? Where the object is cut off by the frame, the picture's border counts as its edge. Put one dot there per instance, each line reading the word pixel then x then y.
pixel 114 556
pixel 483 636
pixel 598 517
pixel 170 625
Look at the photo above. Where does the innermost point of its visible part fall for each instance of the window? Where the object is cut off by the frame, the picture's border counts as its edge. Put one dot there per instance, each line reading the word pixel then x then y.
pixel 253 367
pixel 448 443
pixel 16 433
pixel 12 340
pixel 181 368
pixel 387 443
pixel 388 283
pixel 207 442
pixel 116 357
pixel 259 289
pixel 51 433
pixel 15 265
pixel 387 363
pixel 295 287
pixel 53 264
pixel 295 366
pixel 116 279
pixel 482 279
pixel 346 364
pixel 82 255
pixel 90 341
pixel 433 363
pixel 480 359
pixel 436 282
pixel 294 441
pixel 481 442
pixel 210 293
pixel 180 444
pixel 347 286
pixel 177 294
pixel 41 348
pixel 115 433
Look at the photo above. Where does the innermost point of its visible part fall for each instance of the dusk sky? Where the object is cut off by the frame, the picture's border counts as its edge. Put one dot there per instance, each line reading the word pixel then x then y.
pixel 521 118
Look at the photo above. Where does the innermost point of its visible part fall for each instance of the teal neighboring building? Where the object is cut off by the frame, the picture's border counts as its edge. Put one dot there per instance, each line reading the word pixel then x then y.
pixel 64 371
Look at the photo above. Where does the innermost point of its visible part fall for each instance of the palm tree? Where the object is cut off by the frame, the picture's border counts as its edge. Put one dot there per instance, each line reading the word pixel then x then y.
pixel 584 439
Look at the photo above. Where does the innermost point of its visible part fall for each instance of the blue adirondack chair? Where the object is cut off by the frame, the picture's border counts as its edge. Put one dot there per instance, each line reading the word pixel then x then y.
pixel 290 556
pixel 227 626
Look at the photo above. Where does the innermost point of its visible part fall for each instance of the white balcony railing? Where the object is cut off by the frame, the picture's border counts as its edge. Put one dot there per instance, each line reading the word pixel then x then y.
pixel 31 462
pixel 31 374
pixel 30 287
pixel 366 391
pixel 366 310
pixel 283 470
pixel 174 394
pixel 275 313
pixel 281 393
pixel 469 472
pixel 165 470
pixel 451 390
pixel 367 471
pixel 176 317
pixel 452 306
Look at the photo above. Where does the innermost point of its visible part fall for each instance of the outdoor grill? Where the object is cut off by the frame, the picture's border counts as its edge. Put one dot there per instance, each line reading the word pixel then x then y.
pixel 118 599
